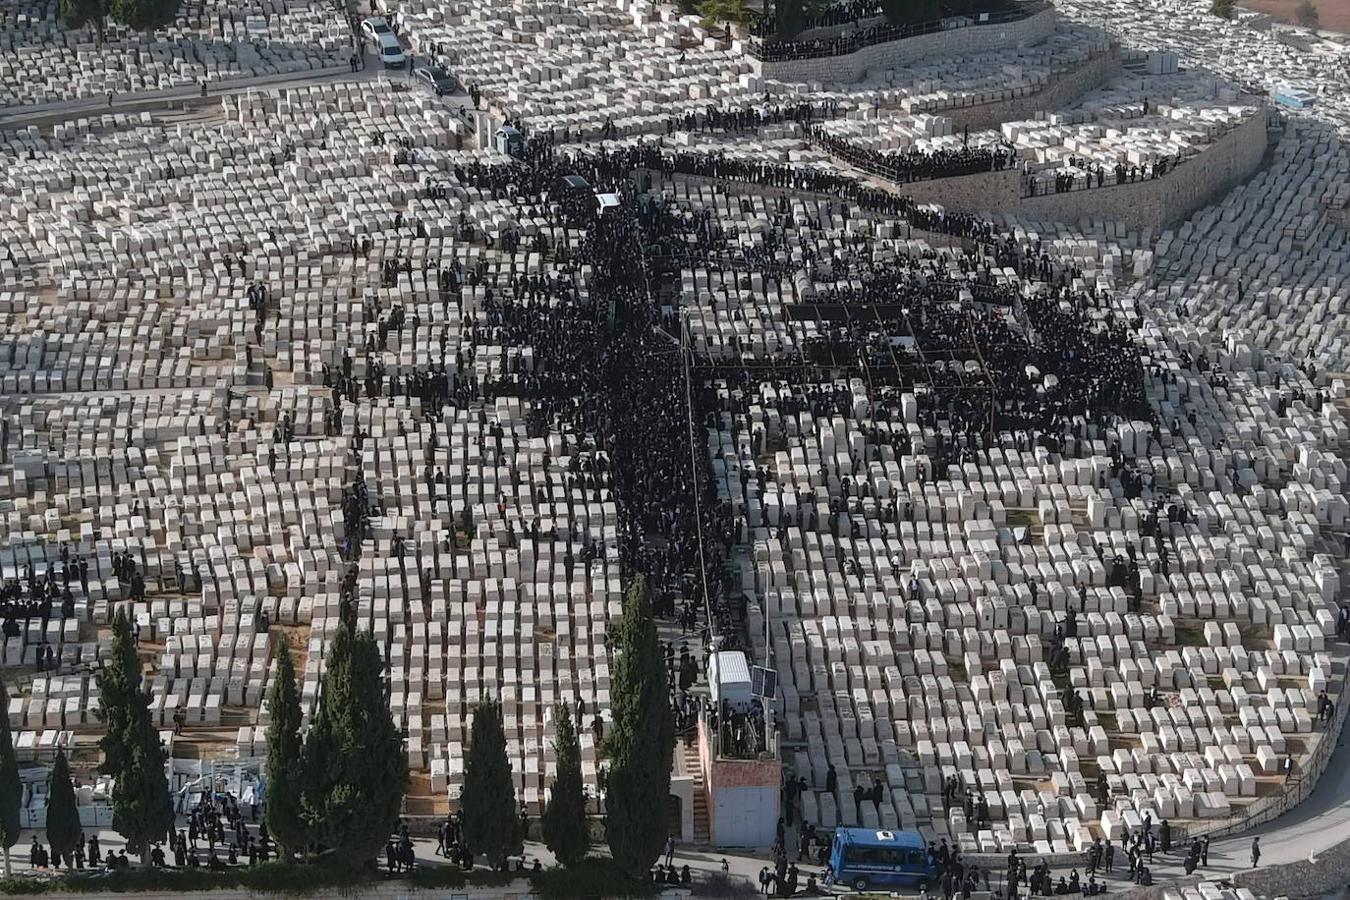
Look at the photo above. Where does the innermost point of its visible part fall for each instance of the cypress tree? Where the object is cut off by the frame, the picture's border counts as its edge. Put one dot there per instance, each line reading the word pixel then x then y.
pixel 11 789
pixel 641 744
pixel 132 753
pixel 285 777
pixel 491 827
pixel 356 772
pixel 63 816
pixel 78 13
pixel 791 18
pixel 564 822
pixel 143 15
pixel 142 808
pixel 118 680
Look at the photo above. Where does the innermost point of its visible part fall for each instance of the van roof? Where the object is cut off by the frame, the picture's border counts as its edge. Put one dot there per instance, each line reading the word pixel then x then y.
pixel 732 667
pixel 910 840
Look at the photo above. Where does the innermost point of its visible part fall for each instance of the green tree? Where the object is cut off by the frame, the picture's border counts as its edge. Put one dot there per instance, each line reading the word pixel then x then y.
pixel 1224 9
pixel 132 753
pixel 727 12
pixel 1307 14
pixel 790 17
pixel 356 772
pixel 11 789
pixel 78 13
pixel 491 827
pixel 142 808
pixel 566 831
pixel 641 745
pixel 911 12
pixel 285 776
pixel 143 15
pixel 119 680
pixel 63 816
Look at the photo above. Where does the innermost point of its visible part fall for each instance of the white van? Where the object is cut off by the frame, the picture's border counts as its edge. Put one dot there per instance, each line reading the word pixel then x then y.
pixel 377 30
pixel 729 680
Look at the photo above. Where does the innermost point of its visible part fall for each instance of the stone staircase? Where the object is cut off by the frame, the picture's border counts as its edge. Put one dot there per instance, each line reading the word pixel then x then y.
pixel 702 825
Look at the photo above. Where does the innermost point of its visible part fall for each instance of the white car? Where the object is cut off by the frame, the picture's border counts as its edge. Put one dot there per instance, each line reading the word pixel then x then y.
pixel 386 42
pixel 375 26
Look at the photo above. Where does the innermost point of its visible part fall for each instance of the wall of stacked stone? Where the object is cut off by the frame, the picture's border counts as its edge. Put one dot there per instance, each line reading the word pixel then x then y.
pixel 967 193
pixel 1328 872
pixel 1162 202
pixel 1063 89
pixel 1155 203
pixel 971 39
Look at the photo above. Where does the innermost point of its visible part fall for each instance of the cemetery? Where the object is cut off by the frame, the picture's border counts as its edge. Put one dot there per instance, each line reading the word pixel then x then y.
pixel 989 395
pixel 42 62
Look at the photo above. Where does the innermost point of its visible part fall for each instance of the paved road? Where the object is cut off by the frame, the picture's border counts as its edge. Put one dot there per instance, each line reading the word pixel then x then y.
pixel 1308 829
pixel 21 117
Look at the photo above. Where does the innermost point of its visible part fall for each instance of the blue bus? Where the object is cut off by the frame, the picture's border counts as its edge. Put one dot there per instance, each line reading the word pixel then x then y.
pixel 863 858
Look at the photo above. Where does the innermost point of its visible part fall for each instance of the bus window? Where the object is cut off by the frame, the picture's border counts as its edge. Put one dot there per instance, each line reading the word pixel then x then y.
pixel 865 856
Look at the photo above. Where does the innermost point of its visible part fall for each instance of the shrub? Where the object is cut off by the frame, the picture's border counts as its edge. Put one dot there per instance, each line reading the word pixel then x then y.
pixel 719 884
pixel 594 877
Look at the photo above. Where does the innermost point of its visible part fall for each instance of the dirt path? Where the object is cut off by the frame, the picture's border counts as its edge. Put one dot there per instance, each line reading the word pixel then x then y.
pixel 1331 14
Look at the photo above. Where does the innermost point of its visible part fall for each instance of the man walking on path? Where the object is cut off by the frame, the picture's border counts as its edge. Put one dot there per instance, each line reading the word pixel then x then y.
pixel 1256 851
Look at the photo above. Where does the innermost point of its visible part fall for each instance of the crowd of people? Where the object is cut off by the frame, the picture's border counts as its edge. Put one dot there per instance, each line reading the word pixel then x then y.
pixel 1084 175
pixel 838 13
pixel 911 164
pixel 37 598
pixel 852 40
pixel 618 163
pixel 633 419
pixel 751 118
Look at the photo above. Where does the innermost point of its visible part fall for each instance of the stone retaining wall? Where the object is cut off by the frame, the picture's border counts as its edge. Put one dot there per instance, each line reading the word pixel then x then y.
pixel 1327 873
pixel 1153 204
pixel 1161 202
pixel 1063 89
pixel 970 39
pixel 966 193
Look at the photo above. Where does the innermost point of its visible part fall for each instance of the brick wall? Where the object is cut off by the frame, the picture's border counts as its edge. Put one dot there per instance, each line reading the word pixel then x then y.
pixel 971 39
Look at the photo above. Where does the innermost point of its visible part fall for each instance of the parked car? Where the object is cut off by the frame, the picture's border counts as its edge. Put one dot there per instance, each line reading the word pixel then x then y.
pixel 377 30
pixel 438 79
pixel 375 26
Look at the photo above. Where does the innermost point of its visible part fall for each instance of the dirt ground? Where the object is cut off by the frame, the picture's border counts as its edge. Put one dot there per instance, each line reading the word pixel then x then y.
pixel 1331 14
